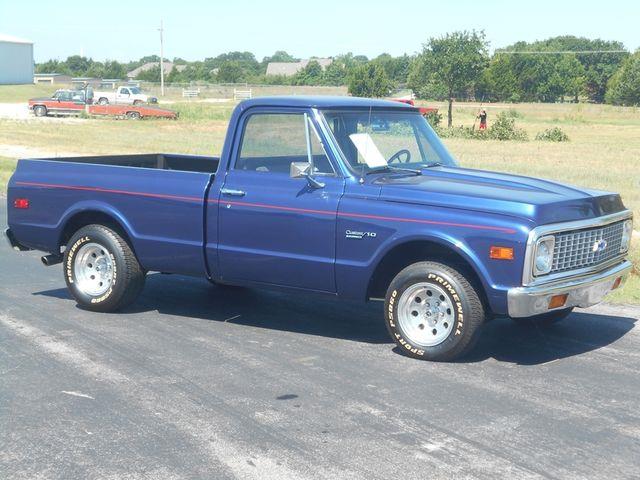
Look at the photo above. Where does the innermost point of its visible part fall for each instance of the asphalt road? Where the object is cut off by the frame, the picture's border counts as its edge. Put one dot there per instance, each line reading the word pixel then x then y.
pixel 200 382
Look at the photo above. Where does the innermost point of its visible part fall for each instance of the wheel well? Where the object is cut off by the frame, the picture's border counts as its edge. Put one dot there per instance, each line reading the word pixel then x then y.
pixel 406 254
pixel 91 217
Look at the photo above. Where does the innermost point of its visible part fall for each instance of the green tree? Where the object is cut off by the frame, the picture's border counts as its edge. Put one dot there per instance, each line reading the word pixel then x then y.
pixel 396 68
pixel 453 63
pixel 151 75
pixel 231 71
pixel 369 80
pixel 550 76
pixel 624 85
pixel 78 65
pixel 52 66
pixel 113 69
pixel 246 60
pixel 311 74
pixel 336 73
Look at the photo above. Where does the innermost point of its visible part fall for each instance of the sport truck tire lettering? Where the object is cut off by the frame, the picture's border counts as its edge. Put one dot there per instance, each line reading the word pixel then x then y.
pixel 468 308
pixel 127 275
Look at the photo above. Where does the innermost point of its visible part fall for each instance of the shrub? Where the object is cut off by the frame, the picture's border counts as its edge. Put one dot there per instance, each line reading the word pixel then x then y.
pixel 504 128
pixel 369 80
pixel 555 134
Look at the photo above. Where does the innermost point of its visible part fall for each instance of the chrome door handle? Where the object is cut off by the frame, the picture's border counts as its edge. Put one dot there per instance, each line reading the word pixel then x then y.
pixel 232 193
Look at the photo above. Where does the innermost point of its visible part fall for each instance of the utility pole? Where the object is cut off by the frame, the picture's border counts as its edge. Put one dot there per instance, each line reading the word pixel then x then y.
pixel 161 30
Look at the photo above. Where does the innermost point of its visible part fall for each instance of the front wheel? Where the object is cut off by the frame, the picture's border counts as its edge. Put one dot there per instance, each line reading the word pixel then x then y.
pixel 133 115
pixel 101 270
pixel 433 312
pixel 40 111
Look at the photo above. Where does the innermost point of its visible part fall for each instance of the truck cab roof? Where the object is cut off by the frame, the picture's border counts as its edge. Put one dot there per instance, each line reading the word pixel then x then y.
pixel 319 101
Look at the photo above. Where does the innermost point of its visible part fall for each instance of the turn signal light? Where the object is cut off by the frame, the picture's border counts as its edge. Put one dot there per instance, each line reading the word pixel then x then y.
pixel 617 283
pixel 501 253
pixel 558 301
pixel 21 203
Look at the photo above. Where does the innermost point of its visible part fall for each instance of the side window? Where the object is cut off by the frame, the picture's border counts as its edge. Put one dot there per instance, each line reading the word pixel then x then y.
pixel 272 141
pixel 124 91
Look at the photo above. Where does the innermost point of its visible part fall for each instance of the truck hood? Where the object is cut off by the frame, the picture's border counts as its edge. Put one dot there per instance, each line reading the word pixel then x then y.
pixel 541 201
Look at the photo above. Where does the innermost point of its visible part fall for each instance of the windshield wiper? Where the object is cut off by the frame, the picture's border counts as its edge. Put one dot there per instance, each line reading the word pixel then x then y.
pixel 434 164
pixel 389 168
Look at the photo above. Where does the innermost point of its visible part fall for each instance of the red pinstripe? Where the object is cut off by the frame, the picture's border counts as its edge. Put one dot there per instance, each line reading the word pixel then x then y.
pixel 109 190
pixel 272 207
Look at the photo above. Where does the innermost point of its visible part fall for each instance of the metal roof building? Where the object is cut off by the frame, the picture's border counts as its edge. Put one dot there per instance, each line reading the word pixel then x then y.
pixel 16 60
pixel 289 69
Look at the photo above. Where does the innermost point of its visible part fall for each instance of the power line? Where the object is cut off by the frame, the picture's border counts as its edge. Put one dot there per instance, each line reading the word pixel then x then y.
pixel 556 52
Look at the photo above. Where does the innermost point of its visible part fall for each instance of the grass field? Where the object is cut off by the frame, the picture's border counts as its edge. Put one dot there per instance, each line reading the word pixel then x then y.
pixel 603 151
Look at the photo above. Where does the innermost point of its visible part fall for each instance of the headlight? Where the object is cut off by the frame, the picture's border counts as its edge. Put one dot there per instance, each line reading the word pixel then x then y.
pixel 543 258
pixel 627 232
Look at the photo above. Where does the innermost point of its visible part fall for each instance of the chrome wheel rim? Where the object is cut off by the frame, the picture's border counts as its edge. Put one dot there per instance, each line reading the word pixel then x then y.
pixel 93 268
pixel 425 314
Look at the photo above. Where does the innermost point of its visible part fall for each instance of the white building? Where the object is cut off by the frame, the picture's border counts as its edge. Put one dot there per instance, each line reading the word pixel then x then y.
pixel 16 60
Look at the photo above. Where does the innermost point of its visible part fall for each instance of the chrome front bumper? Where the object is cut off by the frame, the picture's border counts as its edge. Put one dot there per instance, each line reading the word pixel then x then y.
pixel 582 292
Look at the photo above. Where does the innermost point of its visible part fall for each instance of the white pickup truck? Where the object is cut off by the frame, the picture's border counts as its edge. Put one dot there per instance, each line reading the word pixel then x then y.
pixel 123 95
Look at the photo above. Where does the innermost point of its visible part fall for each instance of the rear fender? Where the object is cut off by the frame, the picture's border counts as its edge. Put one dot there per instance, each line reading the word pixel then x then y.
pixel 95 206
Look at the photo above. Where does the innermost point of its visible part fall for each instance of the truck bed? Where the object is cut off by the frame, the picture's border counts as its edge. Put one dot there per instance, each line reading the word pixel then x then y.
pixel 160 161
pixel 157 199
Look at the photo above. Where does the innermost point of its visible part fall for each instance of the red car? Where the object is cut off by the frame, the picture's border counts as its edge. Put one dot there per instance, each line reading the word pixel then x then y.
pixel 72 102
pixel 423 110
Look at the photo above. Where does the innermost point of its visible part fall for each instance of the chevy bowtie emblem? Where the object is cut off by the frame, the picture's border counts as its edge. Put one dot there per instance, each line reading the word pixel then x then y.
pixel 599 246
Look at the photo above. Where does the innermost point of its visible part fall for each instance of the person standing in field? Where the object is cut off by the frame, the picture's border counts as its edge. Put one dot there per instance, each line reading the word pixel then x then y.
pixel 482 115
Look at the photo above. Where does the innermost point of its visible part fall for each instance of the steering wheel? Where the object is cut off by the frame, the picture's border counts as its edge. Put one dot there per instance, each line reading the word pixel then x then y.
pixel 395 158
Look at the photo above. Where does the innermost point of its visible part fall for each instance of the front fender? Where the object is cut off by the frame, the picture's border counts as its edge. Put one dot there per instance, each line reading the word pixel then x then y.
pixel 456 245
pixel 469 236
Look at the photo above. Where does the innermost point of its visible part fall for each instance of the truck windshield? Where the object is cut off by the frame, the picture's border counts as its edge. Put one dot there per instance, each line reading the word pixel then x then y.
pixel 134 90
pixel 373 140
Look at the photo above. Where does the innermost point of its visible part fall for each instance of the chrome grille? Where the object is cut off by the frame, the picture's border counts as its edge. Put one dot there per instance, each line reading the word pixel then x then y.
pixel 577 249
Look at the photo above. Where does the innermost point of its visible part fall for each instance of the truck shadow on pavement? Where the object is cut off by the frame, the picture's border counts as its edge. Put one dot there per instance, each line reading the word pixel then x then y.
pixel 582 332
pixel 322 315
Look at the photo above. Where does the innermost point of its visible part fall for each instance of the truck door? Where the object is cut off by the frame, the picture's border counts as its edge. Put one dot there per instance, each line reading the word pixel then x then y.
pixel 273 228
pixel 66 103
pixel 123 96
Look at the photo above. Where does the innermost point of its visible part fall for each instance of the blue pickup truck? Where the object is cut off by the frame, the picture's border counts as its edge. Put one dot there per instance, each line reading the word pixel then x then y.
pixel 354 198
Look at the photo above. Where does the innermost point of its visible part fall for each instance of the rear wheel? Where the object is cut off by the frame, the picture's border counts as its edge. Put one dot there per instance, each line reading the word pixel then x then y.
pixel 101 270
pixel 545 319
pixel 133 115
pixel 40 111
pixel 433 312
pixel 103 101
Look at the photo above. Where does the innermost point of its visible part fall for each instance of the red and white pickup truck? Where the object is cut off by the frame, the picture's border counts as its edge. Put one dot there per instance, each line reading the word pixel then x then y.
pixel 72 102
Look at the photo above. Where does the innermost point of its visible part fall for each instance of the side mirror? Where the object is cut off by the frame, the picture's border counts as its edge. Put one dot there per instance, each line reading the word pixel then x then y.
pixel 304 170
pixel 300 169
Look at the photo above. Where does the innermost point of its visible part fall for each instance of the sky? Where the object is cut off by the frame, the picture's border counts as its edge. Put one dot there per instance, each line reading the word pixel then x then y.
pixel 193 30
